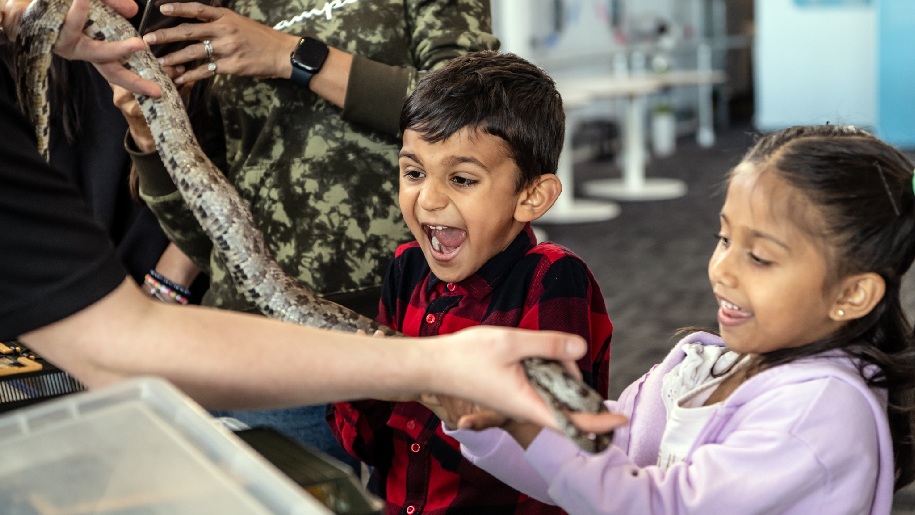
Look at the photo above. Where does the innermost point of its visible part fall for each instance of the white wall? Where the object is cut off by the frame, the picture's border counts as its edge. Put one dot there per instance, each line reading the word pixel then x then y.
pixel 815 64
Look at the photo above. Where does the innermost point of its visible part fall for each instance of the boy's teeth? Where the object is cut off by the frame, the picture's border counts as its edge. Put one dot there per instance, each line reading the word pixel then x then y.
pixel 729 305
pixel 436 244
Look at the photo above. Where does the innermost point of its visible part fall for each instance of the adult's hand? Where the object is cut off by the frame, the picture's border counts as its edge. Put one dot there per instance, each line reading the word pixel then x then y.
pixel 240 45
pixel 483 364
pixel 105 55
pixel 73 44
pixel 10 14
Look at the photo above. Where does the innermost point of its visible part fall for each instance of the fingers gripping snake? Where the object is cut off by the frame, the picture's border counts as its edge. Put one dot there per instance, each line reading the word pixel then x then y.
pixel 223 214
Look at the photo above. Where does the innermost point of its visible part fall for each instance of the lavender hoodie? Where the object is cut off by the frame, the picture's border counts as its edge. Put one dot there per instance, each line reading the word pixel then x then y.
pixel 806 437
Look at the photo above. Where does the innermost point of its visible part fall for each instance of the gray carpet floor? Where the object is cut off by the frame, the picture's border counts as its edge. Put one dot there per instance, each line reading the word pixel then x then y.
pixel 651 260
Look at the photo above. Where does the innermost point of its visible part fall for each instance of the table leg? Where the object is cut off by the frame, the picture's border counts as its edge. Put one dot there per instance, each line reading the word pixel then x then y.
pixel 634 185
pixel 705 136
pixel 567 208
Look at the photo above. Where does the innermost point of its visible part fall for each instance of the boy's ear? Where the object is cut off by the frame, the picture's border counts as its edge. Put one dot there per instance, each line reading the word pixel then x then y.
pixel 538 198
pixel 858 296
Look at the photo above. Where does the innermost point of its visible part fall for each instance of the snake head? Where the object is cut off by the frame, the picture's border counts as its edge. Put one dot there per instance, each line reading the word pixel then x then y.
pixel 564 393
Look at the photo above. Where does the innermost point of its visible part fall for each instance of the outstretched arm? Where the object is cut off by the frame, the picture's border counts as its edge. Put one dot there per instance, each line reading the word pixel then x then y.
pixel 227 359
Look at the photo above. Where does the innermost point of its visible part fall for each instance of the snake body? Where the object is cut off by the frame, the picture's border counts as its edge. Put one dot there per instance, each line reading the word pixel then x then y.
pixel 223 214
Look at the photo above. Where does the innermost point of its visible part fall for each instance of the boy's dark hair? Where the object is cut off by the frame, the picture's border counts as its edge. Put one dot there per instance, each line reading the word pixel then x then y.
pixel 862 191
pixel 498 94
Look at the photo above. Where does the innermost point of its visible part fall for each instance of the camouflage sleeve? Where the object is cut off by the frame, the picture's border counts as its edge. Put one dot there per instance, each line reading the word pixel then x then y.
pixel 441 30
pixel 161 195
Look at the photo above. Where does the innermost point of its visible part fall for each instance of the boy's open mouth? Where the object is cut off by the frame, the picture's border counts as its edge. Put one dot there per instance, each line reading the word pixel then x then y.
pixel 443 239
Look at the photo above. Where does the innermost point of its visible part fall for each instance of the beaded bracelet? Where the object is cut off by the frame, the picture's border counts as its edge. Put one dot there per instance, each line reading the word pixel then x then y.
pixel 162 291
pixel 164 280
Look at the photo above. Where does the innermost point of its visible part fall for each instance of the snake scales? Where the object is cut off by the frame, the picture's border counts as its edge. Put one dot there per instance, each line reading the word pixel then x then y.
pixel 223 214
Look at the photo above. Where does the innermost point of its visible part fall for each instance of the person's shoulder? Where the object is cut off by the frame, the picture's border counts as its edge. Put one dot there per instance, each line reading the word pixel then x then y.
pixel 554 261
pixel 812 387
pixel 407 250
pixel 823 369
pixel 554 252
pixel 409 262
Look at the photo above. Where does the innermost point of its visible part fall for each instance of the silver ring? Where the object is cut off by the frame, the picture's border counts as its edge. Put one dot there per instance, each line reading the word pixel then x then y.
pixel 208 47
pixel 212 67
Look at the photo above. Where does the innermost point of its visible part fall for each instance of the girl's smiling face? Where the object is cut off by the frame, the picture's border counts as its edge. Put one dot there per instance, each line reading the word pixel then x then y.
pixel 459 197
pixel 768 274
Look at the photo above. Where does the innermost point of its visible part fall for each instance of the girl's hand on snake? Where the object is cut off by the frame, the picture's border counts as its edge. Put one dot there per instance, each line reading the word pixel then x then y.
pixel 240 46
pixel 586 422
pixel 598 422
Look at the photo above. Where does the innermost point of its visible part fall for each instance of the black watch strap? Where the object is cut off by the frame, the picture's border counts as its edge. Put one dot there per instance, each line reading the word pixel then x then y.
pixel 307 59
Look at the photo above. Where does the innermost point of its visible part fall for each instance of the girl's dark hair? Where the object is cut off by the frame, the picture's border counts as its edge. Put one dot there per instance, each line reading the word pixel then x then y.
pixel 862 190
pixel 498 94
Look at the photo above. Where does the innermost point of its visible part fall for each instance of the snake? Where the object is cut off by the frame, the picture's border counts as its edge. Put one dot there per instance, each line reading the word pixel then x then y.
pixel 224 215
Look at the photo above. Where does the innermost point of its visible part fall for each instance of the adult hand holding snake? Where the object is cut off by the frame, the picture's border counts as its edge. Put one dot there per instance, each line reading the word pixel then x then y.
pixel 73 44
pixel 235 44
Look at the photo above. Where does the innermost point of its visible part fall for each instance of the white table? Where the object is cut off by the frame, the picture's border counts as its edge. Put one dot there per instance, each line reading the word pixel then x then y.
pixel 634 90
pixel 567 208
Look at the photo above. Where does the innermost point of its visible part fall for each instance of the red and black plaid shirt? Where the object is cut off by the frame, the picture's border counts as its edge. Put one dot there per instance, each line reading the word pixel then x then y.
pixel 417 468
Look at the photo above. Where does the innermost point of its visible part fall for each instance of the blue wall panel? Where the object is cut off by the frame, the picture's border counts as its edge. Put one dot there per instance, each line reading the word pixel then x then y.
pixel 896 72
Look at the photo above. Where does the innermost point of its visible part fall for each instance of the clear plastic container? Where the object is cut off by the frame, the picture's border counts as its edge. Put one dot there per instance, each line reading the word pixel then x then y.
pixel 139 446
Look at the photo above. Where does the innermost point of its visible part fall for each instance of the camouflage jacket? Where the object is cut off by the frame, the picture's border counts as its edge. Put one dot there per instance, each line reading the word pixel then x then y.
pixel 322 183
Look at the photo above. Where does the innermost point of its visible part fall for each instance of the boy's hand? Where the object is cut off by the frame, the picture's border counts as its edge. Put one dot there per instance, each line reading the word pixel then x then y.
pixel 433 404
pixel 453 411
pixel 460 414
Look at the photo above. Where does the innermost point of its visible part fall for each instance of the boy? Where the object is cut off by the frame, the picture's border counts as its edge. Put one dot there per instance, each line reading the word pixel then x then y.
pixel 481 141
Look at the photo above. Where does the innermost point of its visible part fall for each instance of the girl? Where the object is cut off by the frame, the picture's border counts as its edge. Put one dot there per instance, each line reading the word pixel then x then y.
pixel 803 404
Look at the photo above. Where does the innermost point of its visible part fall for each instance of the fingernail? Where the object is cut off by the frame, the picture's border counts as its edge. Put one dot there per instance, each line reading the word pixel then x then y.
pixel 179 80
pixel 573 346
pixel 161 60
pixel 167 8
pixel 150 39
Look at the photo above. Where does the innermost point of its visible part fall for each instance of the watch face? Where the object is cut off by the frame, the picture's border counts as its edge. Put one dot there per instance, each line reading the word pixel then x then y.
pixel 309 55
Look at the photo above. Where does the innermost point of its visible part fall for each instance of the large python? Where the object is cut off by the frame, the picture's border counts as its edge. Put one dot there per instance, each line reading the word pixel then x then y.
pixel 223 214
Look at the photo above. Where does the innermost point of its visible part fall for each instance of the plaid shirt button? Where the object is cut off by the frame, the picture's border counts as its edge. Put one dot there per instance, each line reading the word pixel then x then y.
pixel 430 318
pixel 411 509
pixel 414 447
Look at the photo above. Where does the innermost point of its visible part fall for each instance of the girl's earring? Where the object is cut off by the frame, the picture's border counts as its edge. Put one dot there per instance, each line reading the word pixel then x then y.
pixel 841 313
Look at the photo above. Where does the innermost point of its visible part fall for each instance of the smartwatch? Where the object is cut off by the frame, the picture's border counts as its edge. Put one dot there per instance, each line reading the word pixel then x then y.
pixel 307 59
